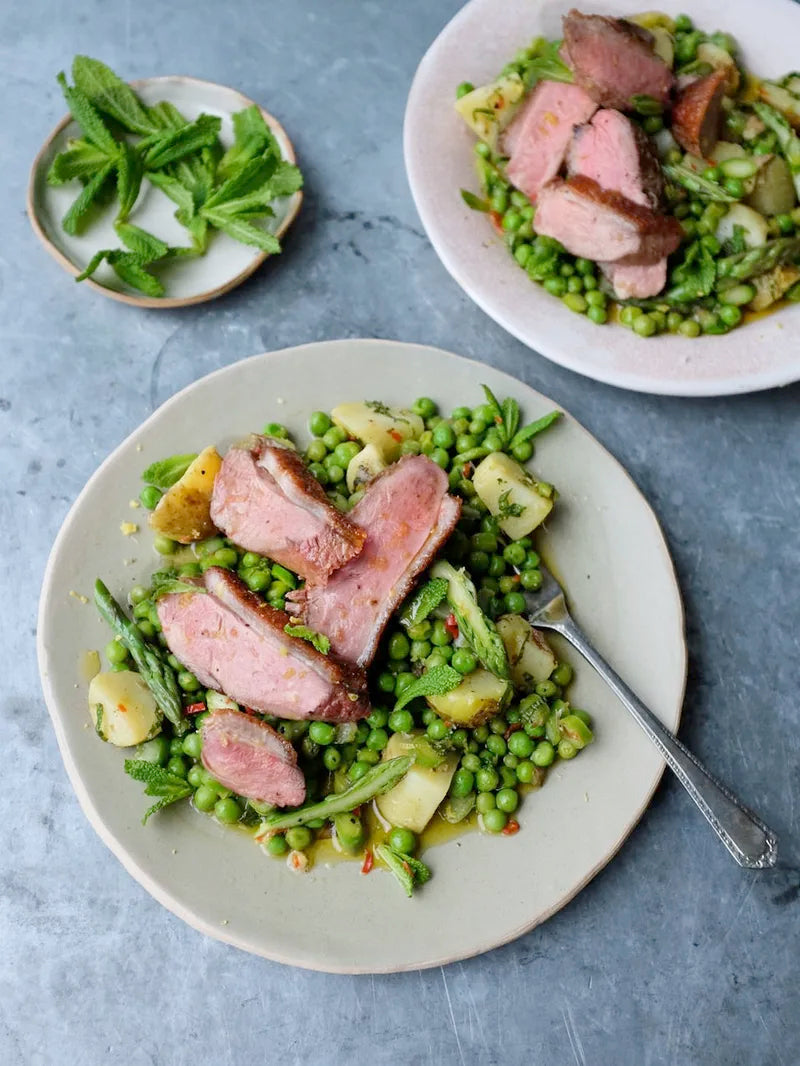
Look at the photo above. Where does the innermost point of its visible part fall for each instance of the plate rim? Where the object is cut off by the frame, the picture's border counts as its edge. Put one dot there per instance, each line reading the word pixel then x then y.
pixel 557 353
pixel 117 847
pixel 167 302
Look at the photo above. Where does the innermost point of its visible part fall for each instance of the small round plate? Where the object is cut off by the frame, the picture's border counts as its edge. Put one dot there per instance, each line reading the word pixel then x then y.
pixel 226 264
pixel 474 47
pixel 603 540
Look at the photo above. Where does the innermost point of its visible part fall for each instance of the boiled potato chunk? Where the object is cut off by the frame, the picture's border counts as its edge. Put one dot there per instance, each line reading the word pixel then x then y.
pixel 488 109
pixel 364 466
pixel 531 657
pixel 414 799
pixel 183 512
pixel 479 696
pixel 754 225
pixel 375 423
pixel 511 494
pixel 123 708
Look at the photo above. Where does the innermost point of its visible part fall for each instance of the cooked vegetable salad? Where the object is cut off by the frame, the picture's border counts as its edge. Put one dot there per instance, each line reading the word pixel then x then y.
pixel 467 702
pixel 640 173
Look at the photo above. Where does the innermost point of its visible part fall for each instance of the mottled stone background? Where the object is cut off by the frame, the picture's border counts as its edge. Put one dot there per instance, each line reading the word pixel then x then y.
pixel 673 956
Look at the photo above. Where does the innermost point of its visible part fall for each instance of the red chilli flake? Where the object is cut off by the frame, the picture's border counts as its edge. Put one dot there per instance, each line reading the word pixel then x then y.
pixel 512 827
pixel 496 220
pixel 396 436
pixel 195 708
pixel 369 862
pixel 451 626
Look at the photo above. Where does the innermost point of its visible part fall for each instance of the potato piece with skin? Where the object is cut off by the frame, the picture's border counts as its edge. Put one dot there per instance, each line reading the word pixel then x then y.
pixel 488 109
pixel 771 286
pixel 123 709
pixel 531 657
pixel 511 495
pixel 413 801
pixel 773 191
pixel 479 697
pixel 375 423
pixel 183 512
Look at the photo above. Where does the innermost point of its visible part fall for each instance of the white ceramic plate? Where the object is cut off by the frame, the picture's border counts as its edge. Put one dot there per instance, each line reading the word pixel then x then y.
pixel 188 281
pixel 474 47
pixel 604 540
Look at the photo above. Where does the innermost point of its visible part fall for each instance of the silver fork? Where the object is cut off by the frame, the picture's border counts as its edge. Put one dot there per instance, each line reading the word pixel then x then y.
pixel 745 836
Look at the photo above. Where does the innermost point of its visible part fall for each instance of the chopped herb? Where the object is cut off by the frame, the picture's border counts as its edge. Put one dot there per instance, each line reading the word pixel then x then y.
pixel 98 722
pixel 378 407
pixel 474 202
pixel 158 782
pixel 507 508
pixel 435 682
pixel 166 583
pixel 424 600
pixel 166 472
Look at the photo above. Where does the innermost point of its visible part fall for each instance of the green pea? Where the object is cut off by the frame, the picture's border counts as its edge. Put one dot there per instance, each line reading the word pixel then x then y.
pixel 523 451
pixel 149 497
pixel 566 749
pixel 401 721
pixel 734 187
pixel 652 124
pixel 487 779
pixel 437 729
pixel 507 800
pixel 439 635
pixel 628 315
pixel 683 24
pixel 299 837
pixel 590 285
pixel 156 750
pixel 195 776
pixel 575 284
pixel 712 174
pixel 471 762
pixel 523 252
pixel 402 840
pixel 346 451
pixel 496 745
pixel 567 270
pixel 402 681
pixel 227 557
pixel 515 602
pixel 499 200
pixel 177 766
pixel 520 744
pixel 562 675
pixel 188 682
pixel 512 220
pixel 463 782
pixel 730 315
pixel 444 436
pixel 485 802
pixel 319 423
pixel 377 740
pixel 531 579
pixel 644 326
pixel 256 580
pixel 674 321
pixel 116 652
pixel 192 745
pixel 495 820
pixel 277 845
pixel 463 661
pixel 526 772
pixel 689 328
pixel 399 648
pixel 276 429
pixel 598 315
pixel 322 733
pixel 164 545
pixel 205 797
pixel 543 753
pixel 575 302
pixel 386 682
pixel 333 436
pixel 556 286
pixel 331 758
pixel 377 718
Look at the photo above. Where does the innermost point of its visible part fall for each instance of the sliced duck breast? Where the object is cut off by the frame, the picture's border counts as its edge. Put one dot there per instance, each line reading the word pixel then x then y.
pixel 697 114
pixel 407 514
pixel 614 60
pixel 251 758
pixel 236 644
pixel 266 501
pixel 617 154
pixel 636 282
pixel 604 225
pixel 537 139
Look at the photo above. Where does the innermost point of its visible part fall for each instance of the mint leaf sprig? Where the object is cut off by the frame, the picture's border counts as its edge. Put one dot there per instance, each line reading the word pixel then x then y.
pixel 230 191
pixel 158 782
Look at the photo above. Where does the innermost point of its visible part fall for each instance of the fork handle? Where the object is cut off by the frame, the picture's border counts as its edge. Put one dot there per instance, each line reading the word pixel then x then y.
pixel 745 836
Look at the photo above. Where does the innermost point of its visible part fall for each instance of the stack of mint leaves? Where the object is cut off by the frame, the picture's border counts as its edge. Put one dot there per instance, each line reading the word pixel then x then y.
pixel 124 142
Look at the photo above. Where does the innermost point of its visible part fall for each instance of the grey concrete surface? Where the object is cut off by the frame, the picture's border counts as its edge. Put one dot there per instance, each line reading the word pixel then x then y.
pixel 672 956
